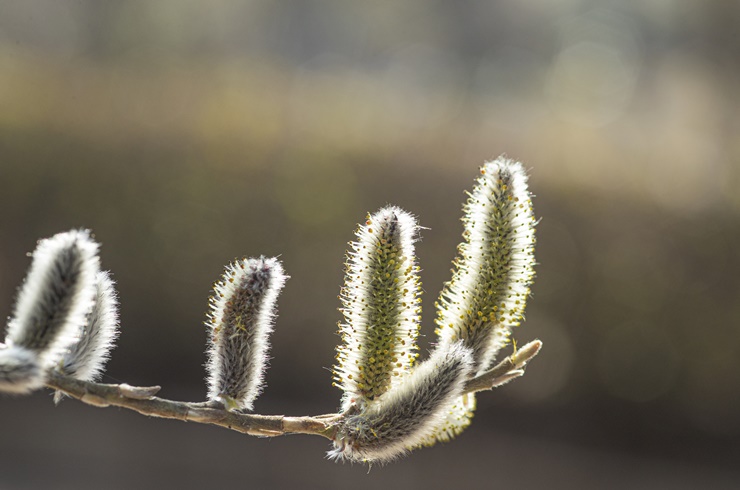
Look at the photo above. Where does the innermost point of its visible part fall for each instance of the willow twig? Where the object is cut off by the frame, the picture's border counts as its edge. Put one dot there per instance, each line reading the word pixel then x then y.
pixel 144 401
pixel 506 370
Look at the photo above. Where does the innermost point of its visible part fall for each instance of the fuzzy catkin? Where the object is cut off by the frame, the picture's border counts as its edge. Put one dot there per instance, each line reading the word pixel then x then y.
pixel 456 420
pixel 381 307
pixel 408 415
pixel 86 358
pixel 491 277
pixel 495 265
pixel 52 305
pixel 20 371
pixel 240 322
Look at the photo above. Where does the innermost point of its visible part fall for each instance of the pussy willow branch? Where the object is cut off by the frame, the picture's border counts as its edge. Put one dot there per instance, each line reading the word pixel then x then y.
pixel 143 401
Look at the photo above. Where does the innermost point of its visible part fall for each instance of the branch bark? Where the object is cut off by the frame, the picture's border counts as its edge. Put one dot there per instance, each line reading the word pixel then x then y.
pixel 144 401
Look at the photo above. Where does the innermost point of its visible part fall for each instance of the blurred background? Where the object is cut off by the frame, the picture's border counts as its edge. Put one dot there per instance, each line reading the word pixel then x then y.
pixel 185 134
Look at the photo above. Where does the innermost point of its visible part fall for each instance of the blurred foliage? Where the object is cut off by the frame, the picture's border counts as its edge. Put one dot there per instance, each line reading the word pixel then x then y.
pixel 187 135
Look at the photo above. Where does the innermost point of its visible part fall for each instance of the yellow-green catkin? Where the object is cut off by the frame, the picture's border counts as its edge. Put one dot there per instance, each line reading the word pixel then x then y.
pixel 457 419
pixel 492 275
pixel 381 307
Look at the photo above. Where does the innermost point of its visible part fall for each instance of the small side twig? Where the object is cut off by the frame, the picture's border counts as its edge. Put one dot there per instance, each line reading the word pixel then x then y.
pixel 506 370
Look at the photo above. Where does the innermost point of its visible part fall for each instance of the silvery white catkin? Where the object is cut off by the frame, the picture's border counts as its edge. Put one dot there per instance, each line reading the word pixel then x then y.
pixel 407 415
pixel 492 274
pixel 86 358
pixel 381 307
pixel 52 307
pixel 20 371
pixel 240 322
